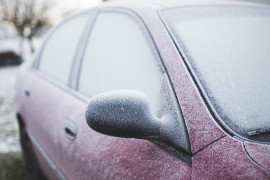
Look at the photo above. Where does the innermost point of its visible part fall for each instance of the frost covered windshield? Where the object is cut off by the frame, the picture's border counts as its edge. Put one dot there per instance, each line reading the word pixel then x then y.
pixel 228 48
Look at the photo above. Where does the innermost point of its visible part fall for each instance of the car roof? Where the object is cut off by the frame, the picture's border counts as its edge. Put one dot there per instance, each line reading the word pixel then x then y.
pixel 174 3
pixel 150 5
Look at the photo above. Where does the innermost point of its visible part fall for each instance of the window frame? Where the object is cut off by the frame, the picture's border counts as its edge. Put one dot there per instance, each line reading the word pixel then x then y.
pixel 72 85
pixel 141 25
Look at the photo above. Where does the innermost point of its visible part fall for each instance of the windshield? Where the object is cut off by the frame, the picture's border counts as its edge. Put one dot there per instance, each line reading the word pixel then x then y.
pixel 228 48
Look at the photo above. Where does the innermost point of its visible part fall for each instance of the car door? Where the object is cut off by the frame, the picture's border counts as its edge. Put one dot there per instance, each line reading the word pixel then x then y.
pixel 119 55
pixel 47 87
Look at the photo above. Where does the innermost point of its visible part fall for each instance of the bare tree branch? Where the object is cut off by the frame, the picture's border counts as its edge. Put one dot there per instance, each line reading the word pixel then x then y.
pixel 26 16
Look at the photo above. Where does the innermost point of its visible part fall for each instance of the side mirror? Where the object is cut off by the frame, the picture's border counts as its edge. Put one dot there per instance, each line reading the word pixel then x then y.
pixel 127 114
pixel 123 114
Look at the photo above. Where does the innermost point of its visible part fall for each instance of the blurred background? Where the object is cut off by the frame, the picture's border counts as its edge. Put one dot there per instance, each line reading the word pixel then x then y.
pixel 23 25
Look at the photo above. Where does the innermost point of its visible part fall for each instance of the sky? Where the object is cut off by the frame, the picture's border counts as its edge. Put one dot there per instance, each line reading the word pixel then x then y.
pixel 67 5
pixel 80 4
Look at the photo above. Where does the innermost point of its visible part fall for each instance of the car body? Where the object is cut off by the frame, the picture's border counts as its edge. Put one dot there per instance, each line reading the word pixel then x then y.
pixel 191 141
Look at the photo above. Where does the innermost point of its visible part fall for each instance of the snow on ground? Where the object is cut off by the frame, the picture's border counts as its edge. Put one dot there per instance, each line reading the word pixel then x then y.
pixel 9 137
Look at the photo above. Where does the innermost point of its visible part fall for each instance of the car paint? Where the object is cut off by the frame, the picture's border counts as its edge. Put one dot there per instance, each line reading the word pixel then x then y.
pixel 96 156
pixel 259 153
pixel 226 159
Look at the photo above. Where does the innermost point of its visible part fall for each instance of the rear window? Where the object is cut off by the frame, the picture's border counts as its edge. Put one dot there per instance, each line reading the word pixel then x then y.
pixel 59 51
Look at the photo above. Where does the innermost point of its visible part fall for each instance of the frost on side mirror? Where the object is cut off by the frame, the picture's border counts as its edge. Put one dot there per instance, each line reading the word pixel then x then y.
pixel 124 113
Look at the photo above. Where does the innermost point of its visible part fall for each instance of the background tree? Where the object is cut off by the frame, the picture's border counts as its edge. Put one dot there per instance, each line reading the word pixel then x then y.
pixel 27 17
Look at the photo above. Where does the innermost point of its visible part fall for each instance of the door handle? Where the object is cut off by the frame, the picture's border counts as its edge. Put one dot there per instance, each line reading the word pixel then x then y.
pixel 70 129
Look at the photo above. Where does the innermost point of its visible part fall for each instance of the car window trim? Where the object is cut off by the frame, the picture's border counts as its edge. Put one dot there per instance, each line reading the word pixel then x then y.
pixel 71 87
pixel 76 72
pixel 80 51
pixel 140 23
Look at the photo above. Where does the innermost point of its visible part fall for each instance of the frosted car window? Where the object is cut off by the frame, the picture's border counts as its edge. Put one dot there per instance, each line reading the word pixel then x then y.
pixel 229 50
pixel 59 50
pixel 120 56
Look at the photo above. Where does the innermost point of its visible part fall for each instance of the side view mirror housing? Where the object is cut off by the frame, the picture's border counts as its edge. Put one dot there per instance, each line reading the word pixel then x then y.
pixel 122 114
pixel 126 113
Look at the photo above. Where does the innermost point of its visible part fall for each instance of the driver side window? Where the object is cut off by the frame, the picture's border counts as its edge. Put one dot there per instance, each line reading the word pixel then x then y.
pixel 120 55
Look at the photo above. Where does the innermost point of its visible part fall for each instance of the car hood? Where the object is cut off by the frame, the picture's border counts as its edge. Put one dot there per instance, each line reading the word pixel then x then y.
pixel 260 153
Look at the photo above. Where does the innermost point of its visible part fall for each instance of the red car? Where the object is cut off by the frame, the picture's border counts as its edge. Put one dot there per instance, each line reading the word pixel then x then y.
pixel 175 90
